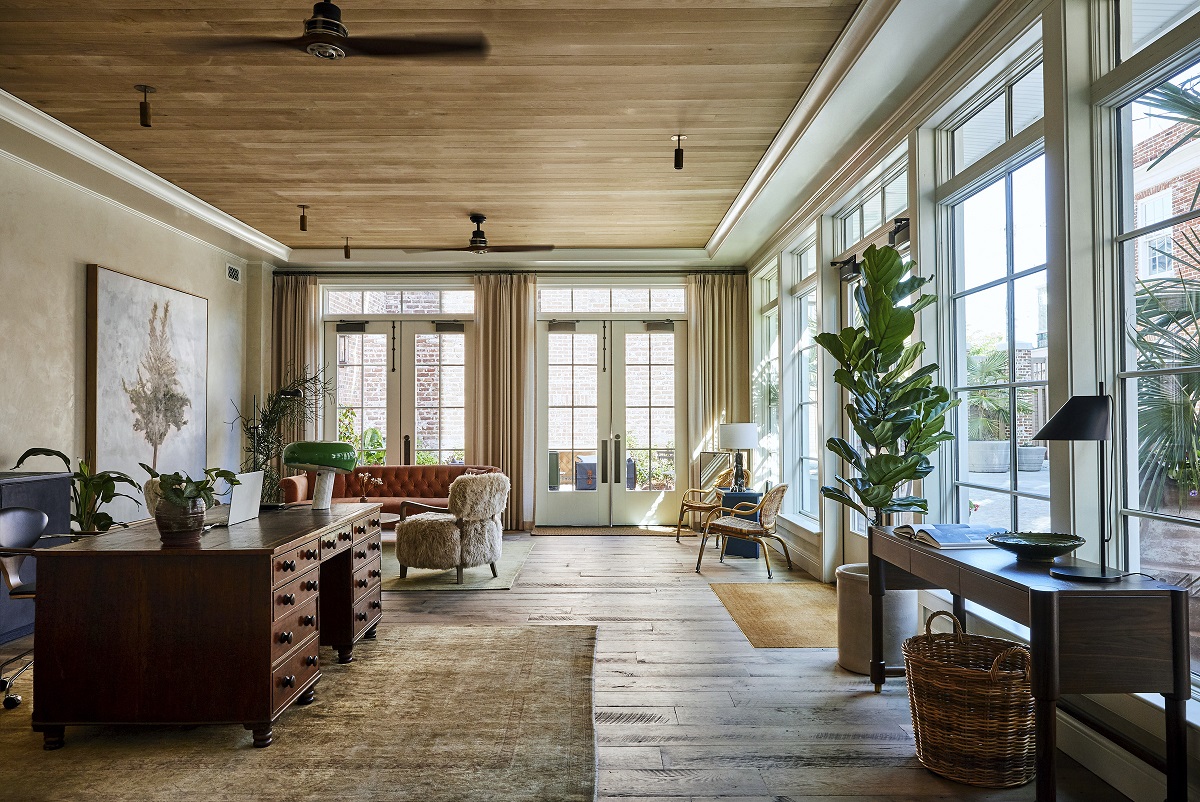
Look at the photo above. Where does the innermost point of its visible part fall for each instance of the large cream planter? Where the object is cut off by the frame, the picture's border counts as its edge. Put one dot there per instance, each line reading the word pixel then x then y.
pixel 854 620
pixel 987 456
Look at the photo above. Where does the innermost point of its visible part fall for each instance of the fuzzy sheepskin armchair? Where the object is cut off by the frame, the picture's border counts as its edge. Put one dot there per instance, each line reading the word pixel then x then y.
pixel 469 534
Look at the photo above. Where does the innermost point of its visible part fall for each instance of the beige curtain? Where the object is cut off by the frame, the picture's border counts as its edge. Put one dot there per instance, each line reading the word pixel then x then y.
pixel 295 335
pixel 718 359
pixel 504 335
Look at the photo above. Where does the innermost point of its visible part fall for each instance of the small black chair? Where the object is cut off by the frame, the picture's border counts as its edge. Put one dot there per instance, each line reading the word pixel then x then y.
pixel 20 528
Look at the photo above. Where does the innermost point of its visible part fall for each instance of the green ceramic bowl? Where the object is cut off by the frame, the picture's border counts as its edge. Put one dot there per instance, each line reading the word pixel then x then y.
pixel 1037 547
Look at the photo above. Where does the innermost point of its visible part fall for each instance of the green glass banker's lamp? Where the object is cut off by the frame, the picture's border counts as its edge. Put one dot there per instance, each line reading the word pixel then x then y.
pixel 1086 417
pixel 327 459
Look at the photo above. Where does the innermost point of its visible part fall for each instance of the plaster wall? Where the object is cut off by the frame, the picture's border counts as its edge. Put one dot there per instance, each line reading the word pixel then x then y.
pixel 49 230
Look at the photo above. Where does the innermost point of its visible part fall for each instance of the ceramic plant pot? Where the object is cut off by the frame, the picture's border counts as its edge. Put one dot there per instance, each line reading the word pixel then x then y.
pixel 180 527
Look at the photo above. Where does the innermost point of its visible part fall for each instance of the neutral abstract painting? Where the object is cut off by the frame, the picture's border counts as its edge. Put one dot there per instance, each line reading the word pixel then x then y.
pixel 147 379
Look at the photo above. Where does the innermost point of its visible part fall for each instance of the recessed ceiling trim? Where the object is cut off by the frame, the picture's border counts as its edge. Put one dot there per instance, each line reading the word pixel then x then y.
pixel 601 259
pixel 849 47
pixel 41 125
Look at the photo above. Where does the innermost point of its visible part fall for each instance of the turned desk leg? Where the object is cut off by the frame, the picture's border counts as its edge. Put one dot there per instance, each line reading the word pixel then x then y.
pixel 371 633
pixel 346 654
pixel 53 737
pixel 308 697
pixel 262 733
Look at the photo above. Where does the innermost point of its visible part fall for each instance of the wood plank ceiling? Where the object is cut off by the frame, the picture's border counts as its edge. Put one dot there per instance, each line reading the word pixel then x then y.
pixel 560 135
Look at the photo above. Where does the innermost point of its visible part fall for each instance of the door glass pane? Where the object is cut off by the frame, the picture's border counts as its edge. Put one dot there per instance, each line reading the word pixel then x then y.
pixel 362 395
pixel 440 383
pixel 650 411
pixel 571 440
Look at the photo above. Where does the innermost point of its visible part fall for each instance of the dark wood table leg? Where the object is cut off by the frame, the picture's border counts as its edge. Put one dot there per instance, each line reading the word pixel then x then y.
pixel 1176 702
pixel 877 586
pixel 263 735
pixel 959 608
pixel 371 633
pixel 1043 654
pixel 346 654
pixel 53 737
pixel 307 697
pixel 1045 713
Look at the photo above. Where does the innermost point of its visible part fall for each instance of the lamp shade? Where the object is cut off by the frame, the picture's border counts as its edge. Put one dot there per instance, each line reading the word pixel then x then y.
pixel 1083 417
pixel 320 456
pixel 738 436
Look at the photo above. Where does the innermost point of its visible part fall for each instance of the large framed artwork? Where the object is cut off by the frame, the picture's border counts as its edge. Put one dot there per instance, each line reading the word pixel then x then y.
pixel 147 379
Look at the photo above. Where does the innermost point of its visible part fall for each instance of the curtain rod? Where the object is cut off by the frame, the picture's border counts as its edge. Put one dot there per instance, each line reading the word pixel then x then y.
pixel 735 271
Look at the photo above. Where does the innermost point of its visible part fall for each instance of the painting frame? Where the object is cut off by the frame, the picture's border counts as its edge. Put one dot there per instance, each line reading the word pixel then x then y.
pixel 112 335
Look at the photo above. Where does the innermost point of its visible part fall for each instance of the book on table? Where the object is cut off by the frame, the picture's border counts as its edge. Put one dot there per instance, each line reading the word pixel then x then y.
pixel 949 536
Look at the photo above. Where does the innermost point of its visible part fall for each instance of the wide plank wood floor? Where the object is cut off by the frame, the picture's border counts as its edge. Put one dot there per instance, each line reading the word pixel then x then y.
pixel 687 709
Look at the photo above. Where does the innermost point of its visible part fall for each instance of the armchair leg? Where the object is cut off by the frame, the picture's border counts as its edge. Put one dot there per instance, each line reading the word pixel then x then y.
pixel 459 569
pixel 494 574
pixel 403 571
pixel 703 543
pixel 765 553
pixel 786 556
pixel 722 544
pixel 679 523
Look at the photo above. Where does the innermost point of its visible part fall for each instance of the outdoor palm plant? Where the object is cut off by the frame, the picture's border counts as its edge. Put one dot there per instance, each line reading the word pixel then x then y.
pixel 895 409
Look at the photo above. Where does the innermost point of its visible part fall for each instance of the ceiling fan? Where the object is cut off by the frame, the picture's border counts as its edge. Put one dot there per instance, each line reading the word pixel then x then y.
pixel 327 38
pixel 479 243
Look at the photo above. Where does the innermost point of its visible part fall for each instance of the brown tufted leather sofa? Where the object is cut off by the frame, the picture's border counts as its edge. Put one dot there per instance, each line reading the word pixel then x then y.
pixel 426 484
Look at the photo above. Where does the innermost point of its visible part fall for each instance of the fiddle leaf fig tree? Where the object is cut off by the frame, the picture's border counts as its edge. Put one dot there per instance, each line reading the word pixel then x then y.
pixel 896 410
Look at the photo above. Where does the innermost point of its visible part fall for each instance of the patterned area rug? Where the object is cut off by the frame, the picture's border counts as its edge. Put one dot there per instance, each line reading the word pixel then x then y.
pixel 786 615
pixel 425 713
pixel 653 531
pixel 512 559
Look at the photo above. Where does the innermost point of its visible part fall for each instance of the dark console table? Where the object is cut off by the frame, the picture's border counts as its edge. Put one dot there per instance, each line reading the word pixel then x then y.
pixel 128 632
pixel 50 493
pixel 1125 637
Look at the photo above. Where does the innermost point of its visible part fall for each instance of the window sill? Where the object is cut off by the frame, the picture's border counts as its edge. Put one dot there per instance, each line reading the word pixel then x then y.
pixel 800 521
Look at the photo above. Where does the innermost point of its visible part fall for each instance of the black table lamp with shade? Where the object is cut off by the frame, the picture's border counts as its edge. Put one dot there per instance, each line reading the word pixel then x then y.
pixel 1086 417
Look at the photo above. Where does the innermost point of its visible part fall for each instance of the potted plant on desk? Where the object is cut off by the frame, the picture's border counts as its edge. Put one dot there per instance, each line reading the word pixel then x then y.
pixel 182 502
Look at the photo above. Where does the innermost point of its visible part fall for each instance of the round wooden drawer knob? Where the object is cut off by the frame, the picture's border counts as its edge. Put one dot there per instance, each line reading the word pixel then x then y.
pixel 309 620
pixel 287 598
pixel 361 616
pixel 310 660
pixel 285 637
pixel 362 583
pixel 289 681
pixel 310 584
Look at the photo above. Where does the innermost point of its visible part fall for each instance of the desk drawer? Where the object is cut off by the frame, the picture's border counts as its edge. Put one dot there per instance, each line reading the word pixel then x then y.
pixel 336 540
pixel 365 526
pixel 294 673
pixel 367 550
pixel 995 595
pixel 293 628
pixel 296 561
pixel 368 610
pixel 367 577
pixel 295 593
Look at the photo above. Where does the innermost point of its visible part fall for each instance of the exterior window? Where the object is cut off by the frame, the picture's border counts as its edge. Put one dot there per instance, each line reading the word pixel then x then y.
pixel 607 300
pixel 764 378
pixel 399 302
pixel 1160 362
pixel 1144 21
pixel 1013 109
pixel 880 202
pixel 1002 476
pixel 809 442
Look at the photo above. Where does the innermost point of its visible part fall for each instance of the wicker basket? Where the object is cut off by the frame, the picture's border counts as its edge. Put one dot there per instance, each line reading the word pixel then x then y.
pixel 972 708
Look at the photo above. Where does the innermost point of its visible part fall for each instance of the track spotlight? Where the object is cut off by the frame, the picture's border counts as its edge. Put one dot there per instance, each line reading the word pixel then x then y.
pixel 303 216
pixel 346 250
pixel 144 106
pixel 678 139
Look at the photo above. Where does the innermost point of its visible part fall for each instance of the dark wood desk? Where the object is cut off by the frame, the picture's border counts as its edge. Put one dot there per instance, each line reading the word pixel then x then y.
pixel 1126 637
pixel 127 632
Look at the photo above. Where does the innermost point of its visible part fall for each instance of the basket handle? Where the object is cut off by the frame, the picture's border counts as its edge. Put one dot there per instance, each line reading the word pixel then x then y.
pixel 1010 652
pixel 958 627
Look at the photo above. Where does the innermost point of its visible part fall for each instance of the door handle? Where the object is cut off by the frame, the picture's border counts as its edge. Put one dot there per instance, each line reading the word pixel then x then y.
pixel 603 462
pixel 407 450
pixel 618 460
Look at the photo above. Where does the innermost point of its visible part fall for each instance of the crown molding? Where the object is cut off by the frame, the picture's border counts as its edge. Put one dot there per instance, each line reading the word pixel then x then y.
pixel 846 51
pixel 571 259
pixel 47 129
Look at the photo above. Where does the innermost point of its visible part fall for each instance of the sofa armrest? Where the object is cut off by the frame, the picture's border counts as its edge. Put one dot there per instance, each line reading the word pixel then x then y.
pixel 295 488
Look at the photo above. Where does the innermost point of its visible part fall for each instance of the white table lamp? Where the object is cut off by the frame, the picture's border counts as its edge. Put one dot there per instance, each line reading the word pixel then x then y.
pixel 738 437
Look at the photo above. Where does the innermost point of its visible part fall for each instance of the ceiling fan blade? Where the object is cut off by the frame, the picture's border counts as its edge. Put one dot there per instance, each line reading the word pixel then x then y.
pixel 433 250
pixel 229 43
pixel 518 248
pixel 400 46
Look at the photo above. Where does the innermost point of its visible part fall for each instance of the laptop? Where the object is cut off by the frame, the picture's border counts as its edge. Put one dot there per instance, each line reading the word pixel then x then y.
pixel 243 502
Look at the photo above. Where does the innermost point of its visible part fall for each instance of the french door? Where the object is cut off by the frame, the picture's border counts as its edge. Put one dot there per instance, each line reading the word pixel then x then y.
pixel 611 431
pixel 402 391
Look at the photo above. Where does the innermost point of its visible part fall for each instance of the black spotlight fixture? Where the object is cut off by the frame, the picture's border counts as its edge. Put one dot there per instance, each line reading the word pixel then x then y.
pixel 303 216
pixel 144 106
pixel 346 250
pixel 678 139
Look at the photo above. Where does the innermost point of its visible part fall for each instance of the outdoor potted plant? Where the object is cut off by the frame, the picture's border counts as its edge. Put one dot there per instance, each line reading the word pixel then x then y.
pixel 1030 457
pixel 182 502
pixel 899 417
pixel 90 490
pixel 987 410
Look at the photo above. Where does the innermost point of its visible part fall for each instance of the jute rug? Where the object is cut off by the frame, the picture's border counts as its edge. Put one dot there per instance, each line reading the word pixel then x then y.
pixel 785 615
pixel 424 713
pixel 637 531
pixel 512 560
